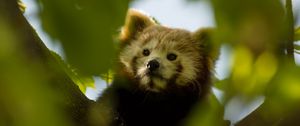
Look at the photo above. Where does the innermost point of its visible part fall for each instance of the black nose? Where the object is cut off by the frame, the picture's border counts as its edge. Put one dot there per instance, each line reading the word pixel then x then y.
pixel 153 65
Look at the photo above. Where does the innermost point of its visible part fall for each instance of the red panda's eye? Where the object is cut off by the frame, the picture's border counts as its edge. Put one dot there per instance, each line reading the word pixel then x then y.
pixel 146 52
pixel 171 56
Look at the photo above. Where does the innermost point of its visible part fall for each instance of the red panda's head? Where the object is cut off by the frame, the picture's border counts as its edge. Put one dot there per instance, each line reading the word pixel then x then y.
pixel 159 57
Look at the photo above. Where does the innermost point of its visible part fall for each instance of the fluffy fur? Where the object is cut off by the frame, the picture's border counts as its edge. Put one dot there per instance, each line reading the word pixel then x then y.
pixel 140 97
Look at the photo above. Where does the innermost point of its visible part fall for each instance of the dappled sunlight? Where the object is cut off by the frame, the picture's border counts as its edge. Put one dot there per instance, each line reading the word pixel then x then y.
pixel 265 67
pixel 242 69
pixel 251 76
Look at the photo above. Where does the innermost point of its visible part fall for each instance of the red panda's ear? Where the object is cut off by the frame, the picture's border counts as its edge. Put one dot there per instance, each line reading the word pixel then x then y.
pixel 206 37
pixel 135 22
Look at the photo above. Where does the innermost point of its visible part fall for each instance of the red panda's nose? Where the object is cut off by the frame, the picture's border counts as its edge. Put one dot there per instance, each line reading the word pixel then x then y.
pixel 153 65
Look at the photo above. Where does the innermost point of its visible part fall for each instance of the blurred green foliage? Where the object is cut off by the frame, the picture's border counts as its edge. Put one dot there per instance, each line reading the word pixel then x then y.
pixel 208 113
pixel 25 99
pixel 108 76
pixel 82 80
pixel 85 28
pixel 22 6
pixel 256 30
pixel 297 34
pixel 260 34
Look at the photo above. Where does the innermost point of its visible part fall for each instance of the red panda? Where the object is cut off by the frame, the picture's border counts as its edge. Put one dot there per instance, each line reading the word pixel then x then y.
pixel 162 73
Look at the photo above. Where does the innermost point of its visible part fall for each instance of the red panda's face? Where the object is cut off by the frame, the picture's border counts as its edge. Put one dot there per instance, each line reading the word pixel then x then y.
pixel 160 57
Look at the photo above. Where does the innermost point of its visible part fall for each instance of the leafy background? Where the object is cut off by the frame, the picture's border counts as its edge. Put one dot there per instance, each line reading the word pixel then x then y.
pixel 259 46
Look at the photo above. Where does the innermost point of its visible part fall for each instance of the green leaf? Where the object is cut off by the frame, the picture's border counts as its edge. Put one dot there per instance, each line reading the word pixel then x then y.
pixel 297 34
pixel 83 81
pixel 22 6
pixel 220 84
pixel 207 113
pixel 239 24
pixel 85 29
pixel 108 77
pixel 297 47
